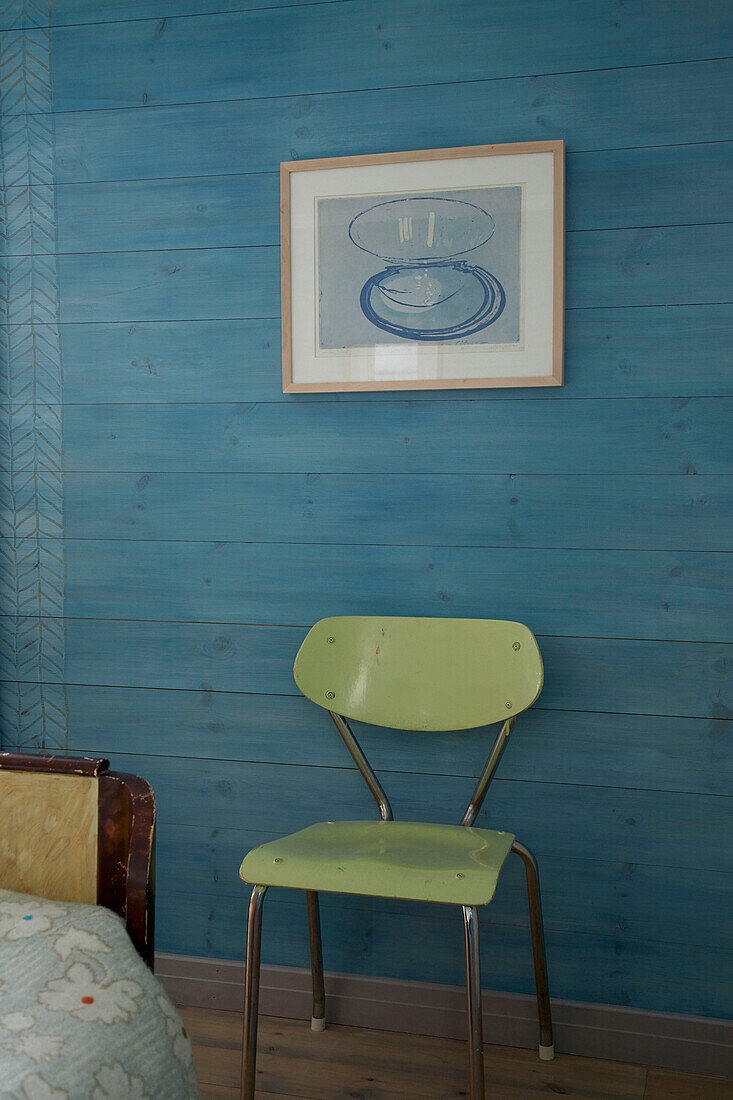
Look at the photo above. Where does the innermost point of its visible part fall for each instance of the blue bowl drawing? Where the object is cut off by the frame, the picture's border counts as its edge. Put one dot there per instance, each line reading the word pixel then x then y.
pixel 440 301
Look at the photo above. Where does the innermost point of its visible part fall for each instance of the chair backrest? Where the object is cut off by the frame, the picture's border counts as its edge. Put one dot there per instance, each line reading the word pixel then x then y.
pixel 420 674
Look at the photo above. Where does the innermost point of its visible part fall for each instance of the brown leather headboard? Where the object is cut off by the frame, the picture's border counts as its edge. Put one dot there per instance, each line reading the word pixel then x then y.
pixel 71 830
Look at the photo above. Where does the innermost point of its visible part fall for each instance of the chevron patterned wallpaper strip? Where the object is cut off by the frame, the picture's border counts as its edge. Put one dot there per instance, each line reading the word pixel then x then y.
pixel 33 709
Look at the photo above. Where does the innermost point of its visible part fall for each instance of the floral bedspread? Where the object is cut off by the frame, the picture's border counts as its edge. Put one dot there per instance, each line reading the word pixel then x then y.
pixel 81 1016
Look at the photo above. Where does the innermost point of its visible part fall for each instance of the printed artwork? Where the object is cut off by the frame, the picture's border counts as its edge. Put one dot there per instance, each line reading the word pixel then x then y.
pixel 433 267
pixel 423 269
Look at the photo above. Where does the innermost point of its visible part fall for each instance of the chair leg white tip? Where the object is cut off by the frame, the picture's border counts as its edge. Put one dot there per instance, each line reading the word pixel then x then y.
pixel 547 1053
pixel 318 1025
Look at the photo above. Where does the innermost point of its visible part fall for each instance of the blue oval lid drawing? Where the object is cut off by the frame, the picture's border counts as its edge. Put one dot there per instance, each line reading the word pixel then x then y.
pixel 421 230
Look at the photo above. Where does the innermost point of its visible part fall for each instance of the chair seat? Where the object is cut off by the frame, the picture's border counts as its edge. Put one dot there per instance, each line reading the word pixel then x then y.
pixel 415 861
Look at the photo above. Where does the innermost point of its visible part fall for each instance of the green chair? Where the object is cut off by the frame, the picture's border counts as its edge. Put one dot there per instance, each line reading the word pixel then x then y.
pixel 414 674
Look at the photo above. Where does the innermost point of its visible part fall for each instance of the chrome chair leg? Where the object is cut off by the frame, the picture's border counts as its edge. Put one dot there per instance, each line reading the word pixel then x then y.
pixel 473 991
pixel 318 1018
pixel 546 1046
pixel 251 993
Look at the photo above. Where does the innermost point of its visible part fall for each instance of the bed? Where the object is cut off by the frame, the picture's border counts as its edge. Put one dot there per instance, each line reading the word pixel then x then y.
pixel 82 1016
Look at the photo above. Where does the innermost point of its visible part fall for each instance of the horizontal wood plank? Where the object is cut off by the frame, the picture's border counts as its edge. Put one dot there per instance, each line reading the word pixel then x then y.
pixel 143 286
pixel 630 512
pixel 346 1061
pixel 637 973
pixel 635 900
pixel 235 55
pixel 590 110
pixel 612 189
pixel 63 13
pixel 681 265
pixel 691 679
pixel 590 747
pixel 672 185
pixel 624 267
pixel 642 352
pixel 613 593
pixel 666 1085
pixel 523 437
pixel 662 828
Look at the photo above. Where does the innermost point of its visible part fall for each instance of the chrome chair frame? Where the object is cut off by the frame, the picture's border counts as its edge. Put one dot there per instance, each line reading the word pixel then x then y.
pixel 470 929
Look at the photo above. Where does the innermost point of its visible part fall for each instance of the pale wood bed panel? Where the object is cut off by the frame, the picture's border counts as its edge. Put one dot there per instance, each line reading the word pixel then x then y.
pixel 71 830
pixel 48 838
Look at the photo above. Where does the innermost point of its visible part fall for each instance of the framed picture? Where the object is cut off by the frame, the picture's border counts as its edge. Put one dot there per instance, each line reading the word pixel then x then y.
pixel 435 269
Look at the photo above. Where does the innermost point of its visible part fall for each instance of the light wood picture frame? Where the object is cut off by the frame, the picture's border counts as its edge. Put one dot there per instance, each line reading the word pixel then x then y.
pixel 429 269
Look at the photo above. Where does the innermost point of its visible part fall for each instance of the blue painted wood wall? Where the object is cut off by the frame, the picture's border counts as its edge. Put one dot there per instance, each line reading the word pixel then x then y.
pixel 172 524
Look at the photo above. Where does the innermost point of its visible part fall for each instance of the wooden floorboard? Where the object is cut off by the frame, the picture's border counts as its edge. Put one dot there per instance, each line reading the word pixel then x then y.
pixel 361 1064
pixel 663 1084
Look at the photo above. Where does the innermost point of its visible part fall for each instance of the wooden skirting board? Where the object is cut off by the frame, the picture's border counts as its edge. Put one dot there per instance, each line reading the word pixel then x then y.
pixel 689 1043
